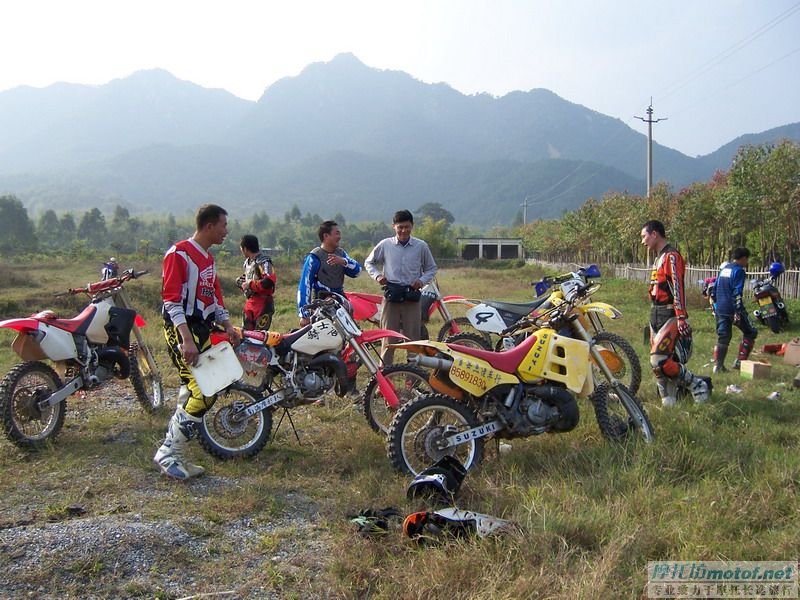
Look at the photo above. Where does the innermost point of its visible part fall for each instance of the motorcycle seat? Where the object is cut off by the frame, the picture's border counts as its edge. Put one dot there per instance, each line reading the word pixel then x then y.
pixel 516 310
pixel 506 361
pixel 290 338
pixel 77 324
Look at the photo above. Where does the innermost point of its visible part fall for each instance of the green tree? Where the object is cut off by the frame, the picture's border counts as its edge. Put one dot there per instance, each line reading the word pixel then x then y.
pixel 16 229
pixel 67 228
pixel 435 211
pixel 92 228
pixel 48 229
pixel 436 234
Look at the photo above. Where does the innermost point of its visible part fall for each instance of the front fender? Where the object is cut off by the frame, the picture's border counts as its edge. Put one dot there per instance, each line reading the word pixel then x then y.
pixel 600 307
pixel 373 335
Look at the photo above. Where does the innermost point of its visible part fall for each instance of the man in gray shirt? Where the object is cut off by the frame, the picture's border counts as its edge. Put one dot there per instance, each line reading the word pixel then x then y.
pixel 407 265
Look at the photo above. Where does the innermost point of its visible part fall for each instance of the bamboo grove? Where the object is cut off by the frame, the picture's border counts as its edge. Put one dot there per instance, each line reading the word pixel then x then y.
pixel 756 203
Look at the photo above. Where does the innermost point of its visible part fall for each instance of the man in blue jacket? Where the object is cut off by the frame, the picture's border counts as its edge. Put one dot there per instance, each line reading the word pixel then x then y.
pixel 324 268
pixel 730 310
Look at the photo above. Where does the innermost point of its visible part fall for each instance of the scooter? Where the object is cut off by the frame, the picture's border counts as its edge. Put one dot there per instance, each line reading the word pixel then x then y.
pixel 771 309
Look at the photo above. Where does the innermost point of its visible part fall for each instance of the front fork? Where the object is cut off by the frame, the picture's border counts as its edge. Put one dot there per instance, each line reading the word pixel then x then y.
pixel 368 360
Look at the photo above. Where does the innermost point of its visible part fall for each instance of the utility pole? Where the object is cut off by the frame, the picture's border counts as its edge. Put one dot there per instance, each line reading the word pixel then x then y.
pixel 649 120
pixel 524 206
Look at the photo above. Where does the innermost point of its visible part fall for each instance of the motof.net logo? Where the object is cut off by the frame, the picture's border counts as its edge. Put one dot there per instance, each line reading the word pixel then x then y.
pixel 722 579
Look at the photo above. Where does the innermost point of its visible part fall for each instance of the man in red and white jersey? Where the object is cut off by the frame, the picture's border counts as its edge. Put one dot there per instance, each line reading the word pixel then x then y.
pixel 192 303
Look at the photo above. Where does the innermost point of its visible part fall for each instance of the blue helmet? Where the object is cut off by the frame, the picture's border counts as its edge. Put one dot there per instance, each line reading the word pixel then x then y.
pixel 776 269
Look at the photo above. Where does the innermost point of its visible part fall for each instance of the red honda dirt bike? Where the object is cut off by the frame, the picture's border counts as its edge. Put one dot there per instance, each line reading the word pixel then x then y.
pixel 368 307
pixel 87 351
pixel 293 369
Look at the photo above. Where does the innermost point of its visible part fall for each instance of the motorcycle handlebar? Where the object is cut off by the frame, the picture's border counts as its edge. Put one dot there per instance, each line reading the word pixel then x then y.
pixel 102 286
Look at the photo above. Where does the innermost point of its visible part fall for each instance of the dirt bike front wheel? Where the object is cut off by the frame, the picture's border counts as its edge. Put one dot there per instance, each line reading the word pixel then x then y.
pixel 461 325
pixel 419 426
pixel 146 384
pixel 621 359
pixel 24 422
pixel 226 432
pixel 409 382
pixel 619 413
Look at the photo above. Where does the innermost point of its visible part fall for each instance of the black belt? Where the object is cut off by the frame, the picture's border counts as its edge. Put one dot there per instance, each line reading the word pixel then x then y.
pixel 671 306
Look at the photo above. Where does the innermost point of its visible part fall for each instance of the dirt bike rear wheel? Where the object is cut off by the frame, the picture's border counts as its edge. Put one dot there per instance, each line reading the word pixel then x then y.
pixel 409 382
pixel 471 340
pixel 148 389
pixel 463 325
pixel 24 423
pixel 418 425
pixel 225 434
pixel 626 366
pixel 619 413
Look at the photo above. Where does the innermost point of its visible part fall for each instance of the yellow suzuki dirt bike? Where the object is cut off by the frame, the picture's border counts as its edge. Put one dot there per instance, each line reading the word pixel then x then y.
pixel 509 324
pixel 527 390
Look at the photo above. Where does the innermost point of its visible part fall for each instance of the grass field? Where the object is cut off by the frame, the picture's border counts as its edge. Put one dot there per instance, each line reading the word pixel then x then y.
pixel 720 482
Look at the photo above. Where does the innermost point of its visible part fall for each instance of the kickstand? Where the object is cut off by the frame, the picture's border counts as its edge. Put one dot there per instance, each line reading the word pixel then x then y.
pixel 288 415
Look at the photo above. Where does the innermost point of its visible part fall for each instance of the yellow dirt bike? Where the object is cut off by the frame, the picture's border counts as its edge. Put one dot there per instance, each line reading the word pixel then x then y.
pixel 527 390
pixel 508 324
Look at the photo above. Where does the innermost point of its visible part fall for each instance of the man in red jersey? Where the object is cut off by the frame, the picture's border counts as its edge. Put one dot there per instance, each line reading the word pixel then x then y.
pixel 670 333
pixel 192 300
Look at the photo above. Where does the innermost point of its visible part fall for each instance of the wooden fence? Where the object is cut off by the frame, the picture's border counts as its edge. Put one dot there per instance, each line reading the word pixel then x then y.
pixel 788 283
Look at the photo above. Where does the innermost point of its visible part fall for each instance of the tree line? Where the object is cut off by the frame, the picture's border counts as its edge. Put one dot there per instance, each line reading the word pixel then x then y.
pixel 756 203
pixel 292 233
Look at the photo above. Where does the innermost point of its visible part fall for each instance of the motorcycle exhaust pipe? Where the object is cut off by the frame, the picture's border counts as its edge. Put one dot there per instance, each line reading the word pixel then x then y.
pixel 433 362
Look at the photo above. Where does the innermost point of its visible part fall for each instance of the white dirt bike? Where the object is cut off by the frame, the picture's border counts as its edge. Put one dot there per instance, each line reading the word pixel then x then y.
pixel 86 351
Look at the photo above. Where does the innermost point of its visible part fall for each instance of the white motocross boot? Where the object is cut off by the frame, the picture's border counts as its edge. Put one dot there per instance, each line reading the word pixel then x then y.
pixel 698 388
pixel 668 390
pixel 169 457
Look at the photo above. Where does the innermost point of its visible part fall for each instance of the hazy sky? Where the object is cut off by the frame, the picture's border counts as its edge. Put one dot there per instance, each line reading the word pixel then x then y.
pixel 716 69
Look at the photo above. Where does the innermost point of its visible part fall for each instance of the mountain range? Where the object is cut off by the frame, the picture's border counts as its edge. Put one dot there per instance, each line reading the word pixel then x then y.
pixel 340 137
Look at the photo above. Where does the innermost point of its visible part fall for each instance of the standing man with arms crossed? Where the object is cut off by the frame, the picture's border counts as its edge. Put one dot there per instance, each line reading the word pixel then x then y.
pixel 408 266
pixel 729 310
pixel 324 268
pixel 258 285
pixel 192 303
pixel 670 333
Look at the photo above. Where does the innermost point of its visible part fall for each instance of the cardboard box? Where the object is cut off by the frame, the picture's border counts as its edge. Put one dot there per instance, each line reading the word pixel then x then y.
pixel 753 369
pixel 792 354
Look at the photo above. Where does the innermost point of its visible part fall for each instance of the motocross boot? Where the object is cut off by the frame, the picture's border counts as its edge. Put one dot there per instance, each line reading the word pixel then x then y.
pixel 744 351
pixel 720 351
pixel 169 457
pixel 696 386
pixel 668 391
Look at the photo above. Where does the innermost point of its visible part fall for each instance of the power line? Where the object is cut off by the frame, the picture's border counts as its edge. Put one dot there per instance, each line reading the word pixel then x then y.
pixel 727 53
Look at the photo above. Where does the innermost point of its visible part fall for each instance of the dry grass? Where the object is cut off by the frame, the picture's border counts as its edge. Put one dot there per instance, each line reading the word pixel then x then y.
pixel 721 481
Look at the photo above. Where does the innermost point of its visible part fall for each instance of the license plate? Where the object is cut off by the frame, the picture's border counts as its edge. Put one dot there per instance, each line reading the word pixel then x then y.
pixel 764 301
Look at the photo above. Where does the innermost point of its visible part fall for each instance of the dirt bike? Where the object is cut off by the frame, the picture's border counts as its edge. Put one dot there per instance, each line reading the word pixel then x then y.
pixel 528 390
pixel 368 307
pixel 294 369
pixel 511 323
pixel 771 309
pixel 87 351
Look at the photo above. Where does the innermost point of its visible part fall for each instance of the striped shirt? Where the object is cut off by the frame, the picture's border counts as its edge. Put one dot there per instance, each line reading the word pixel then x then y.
pixel 190 287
